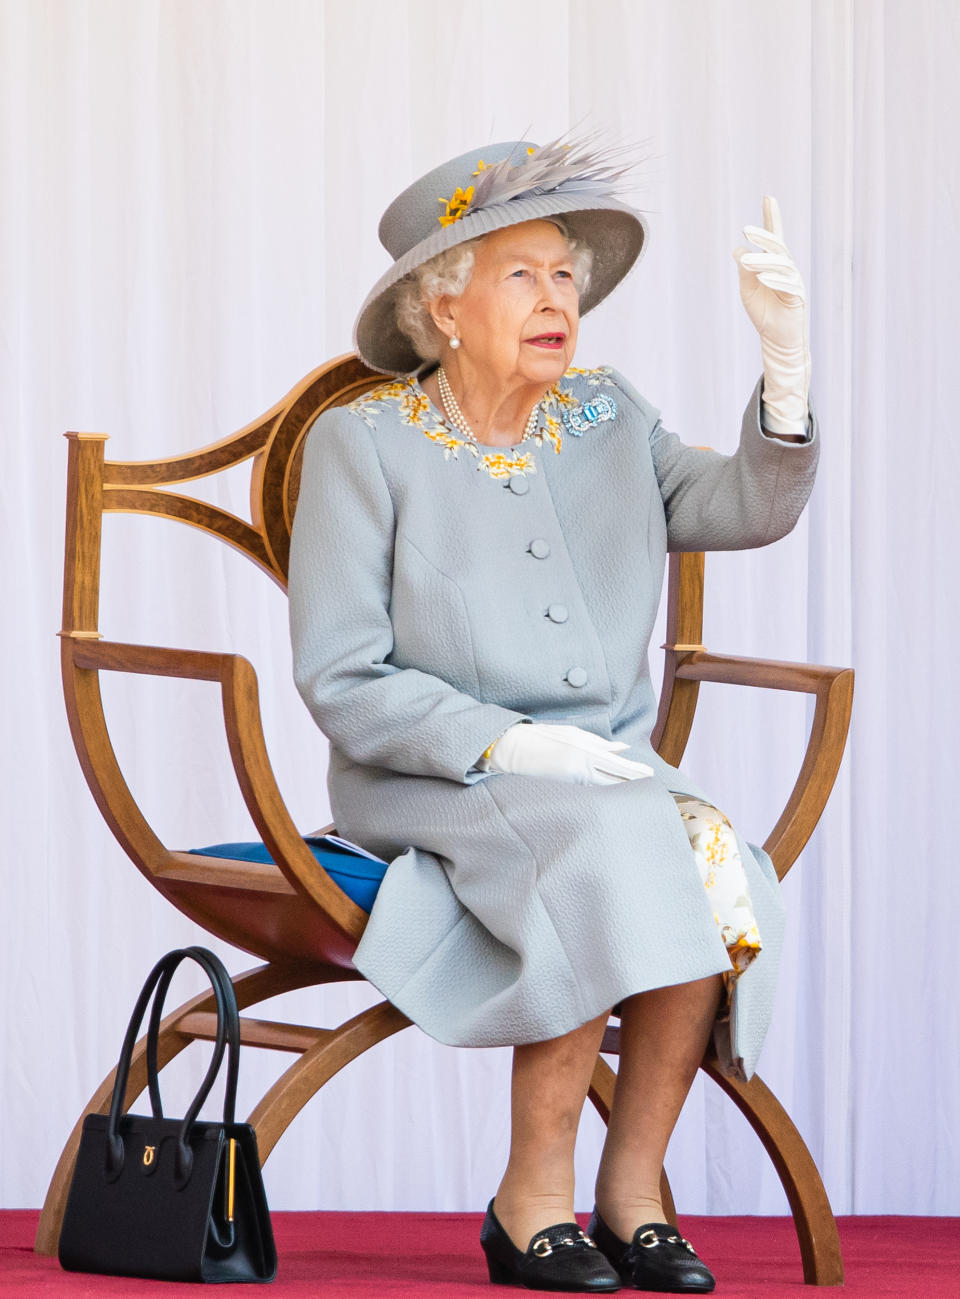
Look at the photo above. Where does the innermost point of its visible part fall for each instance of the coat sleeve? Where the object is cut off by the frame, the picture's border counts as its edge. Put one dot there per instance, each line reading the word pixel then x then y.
pixel 714 501
pixel 341 562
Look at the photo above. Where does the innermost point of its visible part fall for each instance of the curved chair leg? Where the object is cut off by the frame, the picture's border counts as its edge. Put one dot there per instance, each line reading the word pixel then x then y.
pixel 601 1093
pixel 288 1095
pixel 254 986
pixel 812 1215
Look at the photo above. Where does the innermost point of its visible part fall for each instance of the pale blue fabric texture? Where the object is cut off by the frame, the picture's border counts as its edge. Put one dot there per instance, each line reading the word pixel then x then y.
pixel 516 908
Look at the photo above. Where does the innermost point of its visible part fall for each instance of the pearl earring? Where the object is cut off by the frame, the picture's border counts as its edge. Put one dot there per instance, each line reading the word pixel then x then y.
pixel 454 342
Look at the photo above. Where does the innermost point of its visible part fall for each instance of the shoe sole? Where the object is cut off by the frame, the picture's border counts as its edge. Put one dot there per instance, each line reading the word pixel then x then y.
pixel 500 1274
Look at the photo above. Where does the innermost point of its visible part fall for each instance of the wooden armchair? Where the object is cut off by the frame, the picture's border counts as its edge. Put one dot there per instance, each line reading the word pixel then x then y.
pixel 292 915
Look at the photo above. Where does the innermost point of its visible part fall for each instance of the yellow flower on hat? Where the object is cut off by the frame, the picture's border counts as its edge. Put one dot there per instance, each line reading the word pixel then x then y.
pixel 456 206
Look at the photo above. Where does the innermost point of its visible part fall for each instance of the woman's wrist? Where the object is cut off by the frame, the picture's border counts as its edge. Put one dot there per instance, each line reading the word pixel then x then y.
pixel 795 426
pixel 483 762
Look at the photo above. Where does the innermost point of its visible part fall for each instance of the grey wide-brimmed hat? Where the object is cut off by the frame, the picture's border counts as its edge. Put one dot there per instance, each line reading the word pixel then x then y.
pixel 485 190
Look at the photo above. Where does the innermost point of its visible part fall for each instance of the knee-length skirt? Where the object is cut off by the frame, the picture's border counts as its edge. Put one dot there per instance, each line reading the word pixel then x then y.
pixel 515 909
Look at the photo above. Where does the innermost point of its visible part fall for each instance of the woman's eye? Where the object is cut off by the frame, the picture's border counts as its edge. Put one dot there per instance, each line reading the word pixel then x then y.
pixel 566 275
pixel 520 272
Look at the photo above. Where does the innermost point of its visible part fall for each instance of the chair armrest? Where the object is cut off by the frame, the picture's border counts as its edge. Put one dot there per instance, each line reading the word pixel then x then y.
pixel 147 660
pixel 833 688
pixel 241 711
pixel 770 674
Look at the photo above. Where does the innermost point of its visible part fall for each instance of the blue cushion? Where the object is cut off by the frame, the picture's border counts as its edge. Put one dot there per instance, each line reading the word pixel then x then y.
pixel 358 876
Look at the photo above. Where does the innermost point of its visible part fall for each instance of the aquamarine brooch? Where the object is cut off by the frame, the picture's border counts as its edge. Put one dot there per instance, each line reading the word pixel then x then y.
pixel 579 418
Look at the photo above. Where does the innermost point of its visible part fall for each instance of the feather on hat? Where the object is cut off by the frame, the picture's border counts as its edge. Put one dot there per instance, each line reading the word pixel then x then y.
pixel 490 188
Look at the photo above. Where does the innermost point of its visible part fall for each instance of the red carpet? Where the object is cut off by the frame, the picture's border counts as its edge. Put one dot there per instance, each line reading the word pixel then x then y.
pixel 343 1255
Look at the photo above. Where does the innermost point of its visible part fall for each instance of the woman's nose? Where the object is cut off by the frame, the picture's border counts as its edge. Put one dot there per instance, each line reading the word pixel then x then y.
pixel 550 294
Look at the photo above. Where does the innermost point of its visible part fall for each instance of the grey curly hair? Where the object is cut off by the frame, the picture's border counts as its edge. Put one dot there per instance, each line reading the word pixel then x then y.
pixel 448 274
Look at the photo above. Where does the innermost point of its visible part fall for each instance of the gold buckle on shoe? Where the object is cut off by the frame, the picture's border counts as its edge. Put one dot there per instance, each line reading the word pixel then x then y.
pixel 648 1244
pixel 542 1247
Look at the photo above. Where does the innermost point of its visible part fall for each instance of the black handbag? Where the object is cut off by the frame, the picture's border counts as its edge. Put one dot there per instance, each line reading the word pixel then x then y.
pixel 171 1199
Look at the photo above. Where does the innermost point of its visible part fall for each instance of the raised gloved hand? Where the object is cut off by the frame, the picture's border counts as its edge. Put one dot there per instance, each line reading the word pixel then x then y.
pixel 563 753
pixel 776 301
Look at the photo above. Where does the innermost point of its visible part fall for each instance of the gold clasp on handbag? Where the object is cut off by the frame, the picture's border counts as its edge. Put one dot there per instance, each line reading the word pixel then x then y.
pixel 148 1155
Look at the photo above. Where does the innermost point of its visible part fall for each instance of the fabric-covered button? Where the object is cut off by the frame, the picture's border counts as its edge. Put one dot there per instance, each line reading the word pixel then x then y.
pixel 539 548
pixel 517 483
pixel 557 613
pixel 577 676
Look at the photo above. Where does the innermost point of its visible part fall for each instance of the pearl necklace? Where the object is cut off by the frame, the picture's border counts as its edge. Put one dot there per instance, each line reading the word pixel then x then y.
pixel 456 417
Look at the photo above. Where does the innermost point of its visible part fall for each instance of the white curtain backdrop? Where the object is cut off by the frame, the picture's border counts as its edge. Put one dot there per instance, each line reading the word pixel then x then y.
pixel 190 196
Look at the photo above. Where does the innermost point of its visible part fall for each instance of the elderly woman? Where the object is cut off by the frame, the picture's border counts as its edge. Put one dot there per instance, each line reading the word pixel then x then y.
pixel 475 572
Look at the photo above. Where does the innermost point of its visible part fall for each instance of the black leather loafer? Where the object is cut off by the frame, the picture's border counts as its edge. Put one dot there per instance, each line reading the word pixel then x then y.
pixel 561 1257
pixel 658 1258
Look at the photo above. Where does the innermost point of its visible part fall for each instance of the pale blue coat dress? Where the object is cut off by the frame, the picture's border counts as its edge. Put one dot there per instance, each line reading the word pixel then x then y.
pixel 436 599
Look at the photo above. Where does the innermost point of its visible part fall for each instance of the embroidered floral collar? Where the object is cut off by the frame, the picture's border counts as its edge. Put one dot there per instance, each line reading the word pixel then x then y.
pixel 559 408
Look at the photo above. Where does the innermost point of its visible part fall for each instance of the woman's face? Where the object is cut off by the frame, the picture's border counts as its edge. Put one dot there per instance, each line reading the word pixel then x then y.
pixel 518 316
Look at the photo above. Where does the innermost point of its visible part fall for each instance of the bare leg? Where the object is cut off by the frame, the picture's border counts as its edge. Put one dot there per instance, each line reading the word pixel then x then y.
pixel 663 1035
pixel 549 1086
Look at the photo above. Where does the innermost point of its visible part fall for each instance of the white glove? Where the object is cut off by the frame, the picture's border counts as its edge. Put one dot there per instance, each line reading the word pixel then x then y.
pixel 776 301
pixel 563 753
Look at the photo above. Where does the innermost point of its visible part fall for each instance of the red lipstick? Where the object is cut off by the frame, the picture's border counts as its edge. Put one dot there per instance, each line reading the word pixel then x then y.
pixel 552 342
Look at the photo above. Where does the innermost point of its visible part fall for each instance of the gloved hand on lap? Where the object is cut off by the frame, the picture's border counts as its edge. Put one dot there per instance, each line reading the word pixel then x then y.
pixel 562 753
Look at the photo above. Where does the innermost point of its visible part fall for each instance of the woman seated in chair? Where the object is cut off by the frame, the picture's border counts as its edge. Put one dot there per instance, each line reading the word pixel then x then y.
pixel 476 565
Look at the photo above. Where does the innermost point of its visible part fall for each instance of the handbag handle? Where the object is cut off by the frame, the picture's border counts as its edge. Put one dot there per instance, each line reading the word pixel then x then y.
pixel 227 1016
pixel 228 1035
